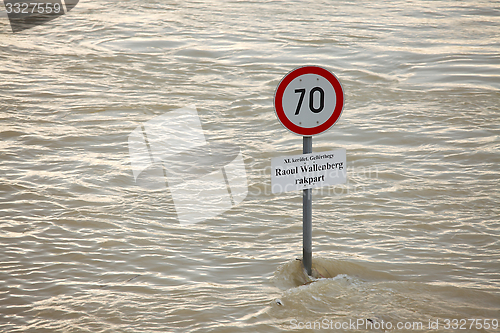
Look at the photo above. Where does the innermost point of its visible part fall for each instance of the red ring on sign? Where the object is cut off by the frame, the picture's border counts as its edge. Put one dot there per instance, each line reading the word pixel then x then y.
pixel 280 90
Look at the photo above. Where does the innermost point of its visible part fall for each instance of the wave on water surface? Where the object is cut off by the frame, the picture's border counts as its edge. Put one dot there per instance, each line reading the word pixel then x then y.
pixel 343 291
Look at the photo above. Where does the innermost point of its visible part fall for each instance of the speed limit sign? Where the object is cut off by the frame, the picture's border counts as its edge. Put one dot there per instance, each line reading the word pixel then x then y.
pixel 309 100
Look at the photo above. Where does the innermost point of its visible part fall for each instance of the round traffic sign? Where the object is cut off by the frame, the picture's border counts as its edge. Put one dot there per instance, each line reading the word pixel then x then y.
pixel 309 100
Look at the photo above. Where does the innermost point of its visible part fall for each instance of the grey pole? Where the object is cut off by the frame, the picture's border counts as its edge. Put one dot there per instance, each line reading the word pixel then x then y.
pixel 307 215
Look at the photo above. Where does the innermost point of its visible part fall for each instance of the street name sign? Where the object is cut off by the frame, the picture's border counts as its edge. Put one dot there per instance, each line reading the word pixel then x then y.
pixel 309 100
pixel 299 172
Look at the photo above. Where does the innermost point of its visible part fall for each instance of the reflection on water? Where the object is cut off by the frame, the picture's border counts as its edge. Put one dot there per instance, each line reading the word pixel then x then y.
pixel 413 236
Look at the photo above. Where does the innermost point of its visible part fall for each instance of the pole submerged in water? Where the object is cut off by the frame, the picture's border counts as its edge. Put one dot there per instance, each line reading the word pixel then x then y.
pixel 307 215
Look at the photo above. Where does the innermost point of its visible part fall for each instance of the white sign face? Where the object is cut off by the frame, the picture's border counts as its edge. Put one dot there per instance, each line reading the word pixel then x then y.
pixel 299 172
pixel 309 100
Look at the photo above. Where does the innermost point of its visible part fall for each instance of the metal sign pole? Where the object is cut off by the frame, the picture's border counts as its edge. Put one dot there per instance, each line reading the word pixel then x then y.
pixel 307 215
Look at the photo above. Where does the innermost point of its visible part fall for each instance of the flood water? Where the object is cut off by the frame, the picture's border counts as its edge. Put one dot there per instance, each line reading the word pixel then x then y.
pixel 412 238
